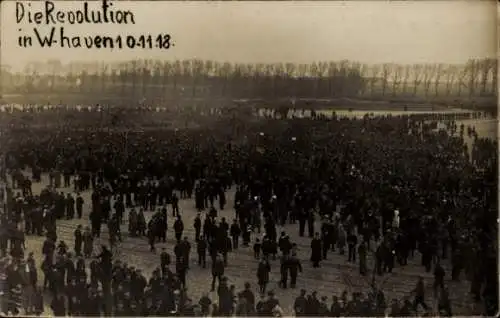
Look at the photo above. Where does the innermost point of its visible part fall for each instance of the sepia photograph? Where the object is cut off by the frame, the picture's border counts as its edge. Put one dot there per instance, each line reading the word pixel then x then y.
pixel 249 158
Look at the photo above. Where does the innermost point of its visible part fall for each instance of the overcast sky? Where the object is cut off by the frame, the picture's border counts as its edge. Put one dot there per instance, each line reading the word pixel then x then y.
pixel 300 32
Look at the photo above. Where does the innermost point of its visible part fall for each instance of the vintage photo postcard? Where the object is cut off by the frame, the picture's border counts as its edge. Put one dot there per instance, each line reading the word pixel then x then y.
pixel 239 158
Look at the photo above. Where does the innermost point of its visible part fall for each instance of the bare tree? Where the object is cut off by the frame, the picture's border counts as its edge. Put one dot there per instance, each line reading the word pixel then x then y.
pixel 279 78
pixel 167 68
pixel 124 77
pixel 70 76
pixel 257 79
pixel 290 70
pixel 451 73
pixel 157 79
pixel 322 72
pixel 302 74
pixel 208 68
pixel 473 68
pixel 104 75
pixel 146 77
pixel 268 80
pixel 461 76
pixel 354 80
pixel 134 65
pixel 397 75
pixel 341 75
pixel 196 72
pixel 250 78
pixel 438 73
pixel 428 74
pixel 94 72
pixel 331 73
pixel 363 71
pixel 84 79
pixel 494 77
pixel 54 67
pixel 225 72
pixel 176 74
pixel 386 72
pixel 7 78
pixel 418 70
pixel 374 76
pixel 406 78
pixel 486 67
pixel 241 81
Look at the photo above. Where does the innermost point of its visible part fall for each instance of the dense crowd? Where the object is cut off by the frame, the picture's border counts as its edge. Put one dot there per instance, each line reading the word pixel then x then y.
pixel 402 185
pixel 86 117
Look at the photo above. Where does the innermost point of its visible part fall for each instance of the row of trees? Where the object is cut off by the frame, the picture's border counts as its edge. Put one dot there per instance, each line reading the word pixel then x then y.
pixel 152 79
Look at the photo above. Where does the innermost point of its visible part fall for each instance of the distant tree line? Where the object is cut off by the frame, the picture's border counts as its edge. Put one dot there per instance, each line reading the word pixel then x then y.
pixel 165 80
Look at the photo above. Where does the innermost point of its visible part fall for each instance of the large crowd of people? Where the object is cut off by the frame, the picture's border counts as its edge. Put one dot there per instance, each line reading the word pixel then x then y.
pixel 403 186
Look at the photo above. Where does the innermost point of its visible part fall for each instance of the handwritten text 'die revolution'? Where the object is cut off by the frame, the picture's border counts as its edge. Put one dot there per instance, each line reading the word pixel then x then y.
pixel 80 13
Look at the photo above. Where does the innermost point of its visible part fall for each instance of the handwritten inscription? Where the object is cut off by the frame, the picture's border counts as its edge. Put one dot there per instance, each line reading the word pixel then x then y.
pixel 60 20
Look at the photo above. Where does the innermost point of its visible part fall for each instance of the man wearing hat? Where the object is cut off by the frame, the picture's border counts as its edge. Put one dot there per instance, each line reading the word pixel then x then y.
pixel 269 304
pixel 313 304
pixel 217 270
pixel 300 304
pixel 225 297
pixel 295 267
pixel 164 261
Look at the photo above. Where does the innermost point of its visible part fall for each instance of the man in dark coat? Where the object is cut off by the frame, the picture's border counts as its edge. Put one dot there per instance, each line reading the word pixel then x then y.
pixel 95 221
pixel 197 226
pixel 78 240
pixel 362 250
pixel 235 232
pixel 164 261
pixel 217 271
pixel 79 206
pixel 263 271
pixel 300 304
pixel 419 292
pixel 284 271
pixel 284 244
pixel 58 306
pixel 225 298
pixel 248 295
pixel 302 216
pixel 313 304
pixel 316 250
pixel 151 233
pixel 70 207
pixel 48 248
pixel 295 267
pixel 181 271
pixel 201 248
pixel 186 249
pixel 119 207
pixel 352 240
pixel 105 261
pixel 178 228
pixel 325 237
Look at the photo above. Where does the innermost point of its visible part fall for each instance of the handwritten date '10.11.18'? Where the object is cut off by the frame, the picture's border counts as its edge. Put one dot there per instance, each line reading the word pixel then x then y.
pixel 55 37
